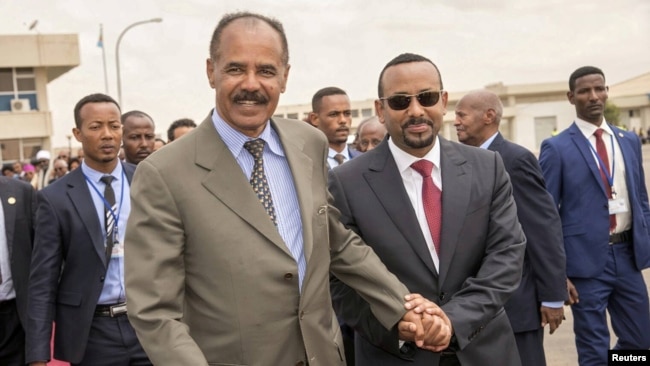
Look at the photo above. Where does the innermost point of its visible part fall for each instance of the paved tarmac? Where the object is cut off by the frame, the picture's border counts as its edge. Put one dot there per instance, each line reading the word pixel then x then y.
pixel 560 347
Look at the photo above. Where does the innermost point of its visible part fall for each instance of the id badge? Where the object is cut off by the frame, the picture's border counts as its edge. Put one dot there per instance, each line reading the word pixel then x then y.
pixel 616 206
pixel 118 248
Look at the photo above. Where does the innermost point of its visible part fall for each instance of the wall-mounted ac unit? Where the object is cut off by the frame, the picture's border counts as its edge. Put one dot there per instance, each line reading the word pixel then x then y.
pixel 20 105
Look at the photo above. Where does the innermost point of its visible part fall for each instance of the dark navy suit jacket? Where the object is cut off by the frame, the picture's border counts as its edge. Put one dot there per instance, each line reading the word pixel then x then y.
pixel 573 179
pixel 544 273
pixel 68 269
pixel 19 206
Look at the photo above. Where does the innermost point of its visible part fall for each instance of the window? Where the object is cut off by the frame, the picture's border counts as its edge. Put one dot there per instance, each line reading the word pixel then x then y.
pixel 17 83
pixel 544 127
pixel 354 113
pixel 279 115
pixel 292 115
pixel 366 112
pixel 20 149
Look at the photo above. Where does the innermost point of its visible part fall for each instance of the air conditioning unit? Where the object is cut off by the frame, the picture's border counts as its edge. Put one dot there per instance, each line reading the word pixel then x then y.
pixel 20 105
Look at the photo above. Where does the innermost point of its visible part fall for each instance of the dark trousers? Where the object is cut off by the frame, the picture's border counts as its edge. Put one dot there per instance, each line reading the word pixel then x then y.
pixel 531 347
pixel 12 335
pixel 112 342
pixel 621 291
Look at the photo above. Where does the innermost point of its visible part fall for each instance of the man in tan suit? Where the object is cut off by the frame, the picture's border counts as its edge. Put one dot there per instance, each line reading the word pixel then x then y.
pixel 226 270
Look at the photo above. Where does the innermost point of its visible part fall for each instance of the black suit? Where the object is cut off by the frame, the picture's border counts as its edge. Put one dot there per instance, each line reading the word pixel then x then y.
pixel 68 269
pixel 544 274
pixel 18 205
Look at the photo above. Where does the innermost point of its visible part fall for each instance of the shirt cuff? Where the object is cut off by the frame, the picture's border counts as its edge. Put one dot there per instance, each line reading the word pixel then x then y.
pixel 553 304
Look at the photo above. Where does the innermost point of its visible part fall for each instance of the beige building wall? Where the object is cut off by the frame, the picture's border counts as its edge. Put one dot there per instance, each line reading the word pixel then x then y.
pixel 27 65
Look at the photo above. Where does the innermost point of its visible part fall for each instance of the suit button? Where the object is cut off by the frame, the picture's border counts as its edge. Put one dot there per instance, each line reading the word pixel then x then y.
pixel 101 279
pixel 442 296
pixel 300 363
pixel 288 276
pixel 302 315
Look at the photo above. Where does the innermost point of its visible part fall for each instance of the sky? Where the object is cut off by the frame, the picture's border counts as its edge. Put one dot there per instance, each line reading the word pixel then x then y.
pixel 342 43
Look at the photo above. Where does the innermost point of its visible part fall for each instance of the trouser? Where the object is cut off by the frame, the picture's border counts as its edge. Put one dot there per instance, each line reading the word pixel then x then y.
pixel 12 335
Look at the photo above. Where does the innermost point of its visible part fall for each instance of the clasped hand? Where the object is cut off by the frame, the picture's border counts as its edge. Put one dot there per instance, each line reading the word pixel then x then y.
pixel 425 323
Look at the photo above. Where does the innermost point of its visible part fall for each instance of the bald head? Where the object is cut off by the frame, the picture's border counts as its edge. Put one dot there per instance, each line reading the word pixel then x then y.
pixel 477 117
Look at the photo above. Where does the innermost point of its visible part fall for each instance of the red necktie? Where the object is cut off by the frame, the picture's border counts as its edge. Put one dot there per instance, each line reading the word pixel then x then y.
pixel 431 200
pixel 602 152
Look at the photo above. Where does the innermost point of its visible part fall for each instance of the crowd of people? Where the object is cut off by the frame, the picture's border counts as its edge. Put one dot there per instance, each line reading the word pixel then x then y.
pixel 255 240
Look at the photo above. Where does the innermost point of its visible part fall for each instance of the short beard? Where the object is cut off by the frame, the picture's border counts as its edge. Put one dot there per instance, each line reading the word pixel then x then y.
pixel 418 143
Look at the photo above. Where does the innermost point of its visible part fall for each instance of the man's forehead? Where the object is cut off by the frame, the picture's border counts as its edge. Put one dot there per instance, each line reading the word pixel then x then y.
pixel 411 73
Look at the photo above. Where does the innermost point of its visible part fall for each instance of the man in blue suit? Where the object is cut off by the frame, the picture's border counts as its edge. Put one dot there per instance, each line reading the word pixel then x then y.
pixel 594 172
pixel 539 300
pixel 77 269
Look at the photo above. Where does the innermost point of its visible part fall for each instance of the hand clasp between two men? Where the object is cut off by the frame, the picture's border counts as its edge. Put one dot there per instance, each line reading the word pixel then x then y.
pixel 425 323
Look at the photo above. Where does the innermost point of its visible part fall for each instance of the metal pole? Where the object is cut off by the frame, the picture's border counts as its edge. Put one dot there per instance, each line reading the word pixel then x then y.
pixel 101 32
pixel 117 54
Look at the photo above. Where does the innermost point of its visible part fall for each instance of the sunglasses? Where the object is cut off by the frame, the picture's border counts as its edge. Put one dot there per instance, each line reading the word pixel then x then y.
pixel 400 102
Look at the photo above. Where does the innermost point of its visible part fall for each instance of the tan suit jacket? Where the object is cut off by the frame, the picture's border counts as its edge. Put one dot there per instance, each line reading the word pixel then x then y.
pixel 209 279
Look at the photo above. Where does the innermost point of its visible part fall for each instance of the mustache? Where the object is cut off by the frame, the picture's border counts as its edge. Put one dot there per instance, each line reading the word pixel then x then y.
pixel 417 121
pixel 250 96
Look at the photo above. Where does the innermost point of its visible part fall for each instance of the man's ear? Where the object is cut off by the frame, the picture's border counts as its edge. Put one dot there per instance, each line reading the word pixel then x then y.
pixel 313 119
pixel 209 69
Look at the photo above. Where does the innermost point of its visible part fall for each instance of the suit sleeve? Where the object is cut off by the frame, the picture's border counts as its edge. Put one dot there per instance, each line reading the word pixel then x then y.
pixel 155 271
pixel 541 223
pixel 47 259
pixel 482 296
pixel 551 164
pixel 350 306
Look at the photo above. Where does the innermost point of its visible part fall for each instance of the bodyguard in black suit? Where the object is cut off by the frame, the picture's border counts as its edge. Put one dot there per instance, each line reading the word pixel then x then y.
pixel 77 270
pixel 16 238
pixel 539 299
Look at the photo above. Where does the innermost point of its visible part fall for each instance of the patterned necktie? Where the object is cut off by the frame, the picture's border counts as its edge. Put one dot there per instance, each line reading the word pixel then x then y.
pixel 258 178
pixel 109 219
pixel 431 200
pixel 340 158
pixel 602 153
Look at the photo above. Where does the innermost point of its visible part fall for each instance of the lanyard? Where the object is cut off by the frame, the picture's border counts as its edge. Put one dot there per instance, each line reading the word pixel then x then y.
pixel 116 217
pixel 601 164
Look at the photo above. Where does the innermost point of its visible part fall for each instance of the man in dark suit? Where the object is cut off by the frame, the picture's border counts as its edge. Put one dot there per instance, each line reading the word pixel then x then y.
pixel 539 300
pixel 332 114
pixel 594 172
pixel 77 271
pixel 462 247
pixel 16 237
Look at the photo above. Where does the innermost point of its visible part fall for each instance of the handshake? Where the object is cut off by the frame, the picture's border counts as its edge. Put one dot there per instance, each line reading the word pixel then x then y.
pixel 425 324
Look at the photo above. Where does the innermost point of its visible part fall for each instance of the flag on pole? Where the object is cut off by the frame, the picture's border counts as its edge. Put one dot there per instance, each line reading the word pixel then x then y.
pixel 100 41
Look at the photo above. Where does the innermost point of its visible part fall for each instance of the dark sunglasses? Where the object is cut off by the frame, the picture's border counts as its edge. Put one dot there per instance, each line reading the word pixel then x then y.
pixel 400 102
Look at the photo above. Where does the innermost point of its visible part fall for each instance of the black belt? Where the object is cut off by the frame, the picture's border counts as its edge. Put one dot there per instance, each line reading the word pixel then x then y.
pixel 113 311
pixel 623 237
pixel 8 303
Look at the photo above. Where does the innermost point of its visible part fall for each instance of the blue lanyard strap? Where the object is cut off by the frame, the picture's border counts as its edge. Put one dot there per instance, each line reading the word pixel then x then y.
pixel 106 204
pixel 601 164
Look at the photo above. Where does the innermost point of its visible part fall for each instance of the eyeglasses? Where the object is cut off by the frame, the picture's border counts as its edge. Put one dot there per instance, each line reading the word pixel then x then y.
pixel 400 102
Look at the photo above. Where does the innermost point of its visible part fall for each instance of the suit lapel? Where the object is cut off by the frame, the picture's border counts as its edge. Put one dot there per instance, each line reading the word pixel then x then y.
pixel 386 182
pixel 227 183
pixel 456 185
pixel 81 199
pixel 582 144
pixel 9 210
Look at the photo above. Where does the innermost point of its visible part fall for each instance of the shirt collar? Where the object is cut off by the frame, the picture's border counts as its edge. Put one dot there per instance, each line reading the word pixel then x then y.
pixel 404 159
pixel 588 128
pixel 488 142
pixel 95 175
pixel 235 140
pixel 345 152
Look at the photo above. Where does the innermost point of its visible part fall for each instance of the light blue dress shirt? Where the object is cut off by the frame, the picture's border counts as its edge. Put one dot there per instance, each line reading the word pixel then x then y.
pixel 113 290
pixel 280 180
